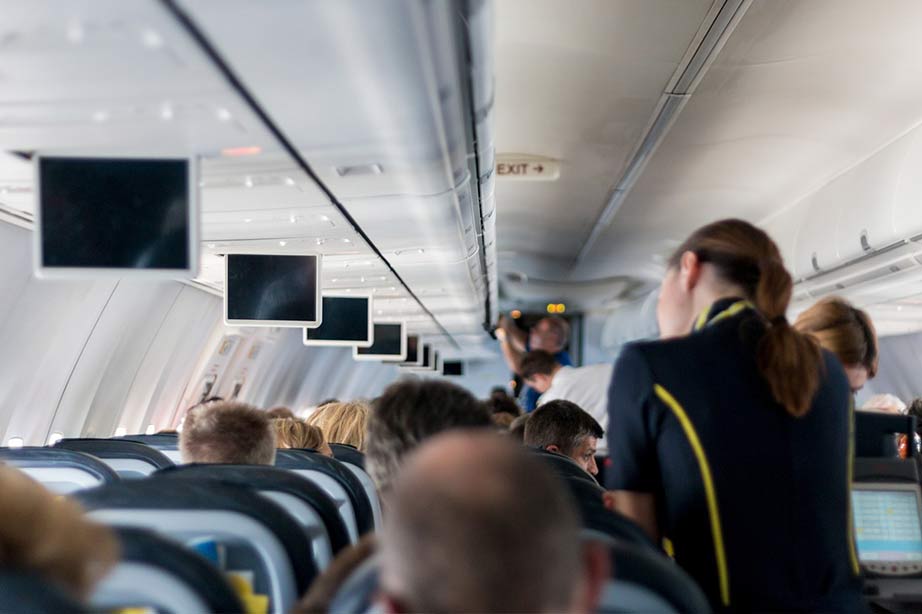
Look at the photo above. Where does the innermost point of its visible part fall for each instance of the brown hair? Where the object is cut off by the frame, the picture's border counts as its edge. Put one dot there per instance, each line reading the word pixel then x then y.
pixel 227 432
pixel 560 423
pixel 537 362
pixel 280 412
pixel 844 330
pixel 50 536
pixel 789 361
pixel 294 433
pixel 342 422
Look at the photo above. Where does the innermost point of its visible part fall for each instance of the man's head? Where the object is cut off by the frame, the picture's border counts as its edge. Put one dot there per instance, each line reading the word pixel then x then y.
pixel 478 525
pixel 549 334
pixel 281 413
pixel 411 411
pixel 565 428
pixel 538 368
pixel 227 432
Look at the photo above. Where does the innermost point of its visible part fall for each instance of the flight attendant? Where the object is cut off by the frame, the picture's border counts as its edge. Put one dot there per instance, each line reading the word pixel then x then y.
pixel 731 436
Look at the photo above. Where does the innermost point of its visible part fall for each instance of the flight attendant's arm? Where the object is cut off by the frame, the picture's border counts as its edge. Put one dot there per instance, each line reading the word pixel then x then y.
pixel 634 474
pixel 512 347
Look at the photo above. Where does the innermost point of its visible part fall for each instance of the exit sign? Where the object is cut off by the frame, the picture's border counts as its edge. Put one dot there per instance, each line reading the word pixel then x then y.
pixel 528 168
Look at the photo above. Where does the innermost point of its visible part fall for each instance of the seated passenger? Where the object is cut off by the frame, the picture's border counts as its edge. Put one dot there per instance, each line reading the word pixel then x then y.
pixel 279 412
pixel 731 437
pixel 586 386
pixel 294 433
pixel 564 428
pixel 848 333
pixel 503 404
pixel 502 421
pixel 227 432
pixel 476 525
pixel 49 536
pixel 517 428
pixel 345 423
pixel 410 412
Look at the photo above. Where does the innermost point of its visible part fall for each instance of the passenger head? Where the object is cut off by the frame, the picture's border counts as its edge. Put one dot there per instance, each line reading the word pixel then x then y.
pixel 885 404
pixel 733 258
pixel 342 422
pixel 537 368
pixel 503 405
pixel 327 402
pixel 550 334
pixel 227 432
pixel 477 525
pixel 49 536
pixel 845 331
pixel 502 421
pixel 410 412
pixel 294 433
pixel 517 428
pixel 279 412
pixel 565 428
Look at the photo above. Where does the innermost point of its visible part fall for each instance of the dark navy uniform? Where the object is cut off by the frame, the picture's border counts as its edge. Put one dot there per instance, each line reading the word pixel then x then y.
pixel 754 501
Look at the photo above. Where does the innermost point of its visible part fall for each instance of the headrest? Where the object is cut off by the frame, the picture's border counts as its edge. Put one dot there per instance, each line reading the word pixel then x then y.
pixel 301 459
pixel 160 441
pixel 27 593
pixel 264 478
pixel 597 518
pixel 110 449
pixel 144 548
pixel 348 454
pixel 55 467
pixel 564 466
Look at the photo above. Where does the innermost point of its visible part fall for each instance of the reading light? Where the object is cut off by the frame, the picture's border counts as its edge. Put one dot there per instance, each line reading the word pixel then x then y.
pixel 120 431
pixel 54 438
pixel 14 442
pixel 223 114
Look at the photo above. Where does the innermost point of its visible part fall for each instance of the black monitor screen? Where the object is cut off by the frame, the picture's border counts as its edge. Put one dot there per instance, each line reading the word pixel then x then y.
pixel 435 360
pixel 427 357
pixel 345 318
pixel 272 288
pixel 452 367
pixel 111 213
pixel 412 350
pixel 388 341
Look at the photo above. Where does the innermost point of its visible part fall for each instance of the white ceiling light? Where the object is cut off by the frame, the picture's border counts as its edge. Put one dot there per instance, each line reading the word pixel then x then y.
pixel 283 243
pixel 289 181
pixel 14 442
pixel 320 241
pixel 347 240
pixel 100 116
pixel 151 39
pixel 150 429
pixel 248 181
pixel 55 438
pixel 166 111
pixel 247 219
pixel 223 114
pixel 324 218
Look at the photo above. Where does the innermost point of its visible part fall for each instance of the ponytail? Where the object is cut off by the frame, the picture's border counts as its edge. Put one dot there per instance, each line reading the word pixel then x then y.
pixel 790 362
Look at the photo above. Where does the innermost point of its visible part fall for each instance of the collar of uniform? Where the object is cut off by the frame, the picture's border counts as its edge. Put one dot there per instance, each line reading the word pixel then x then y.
pixel 721 309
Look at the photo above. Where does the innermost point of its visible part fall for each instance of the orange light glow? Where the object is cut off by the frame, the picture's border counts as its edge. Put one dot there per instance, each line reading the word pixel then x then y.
pixel 236 152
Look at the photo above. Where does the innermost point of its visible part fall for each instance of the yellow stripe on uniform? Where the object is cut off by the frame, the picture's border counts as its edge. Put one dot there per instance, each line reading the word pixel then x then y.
pixel 852 555
pixel 706 477
pixel 729 312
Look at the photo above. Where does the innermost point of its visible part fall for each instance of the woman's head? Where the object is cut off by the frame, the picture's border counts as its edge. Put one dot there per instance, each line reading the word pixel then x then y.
pixel 294 433
pixel 342 422
pixel 845 331
pixel 733 258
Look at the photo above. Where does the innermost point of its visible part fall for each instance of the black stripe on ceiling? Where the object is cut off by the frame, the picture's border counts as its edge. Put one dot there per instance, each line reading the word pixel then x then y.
pixel 198 35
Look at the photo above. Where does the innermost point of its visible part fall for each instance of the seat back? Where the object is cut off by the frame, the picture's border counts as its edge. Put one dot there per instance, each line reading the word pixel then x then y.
pixel 355 462
pixel 161 574
pixel 166 443
pixel 338 481
pixel 27 593
pixel 356 594
pixel 875 433
pixel 314 510
pixel 61 471
pixel 644 581
pixel 256 535
pixel 598 519
pixel 564 466
pixel 130 459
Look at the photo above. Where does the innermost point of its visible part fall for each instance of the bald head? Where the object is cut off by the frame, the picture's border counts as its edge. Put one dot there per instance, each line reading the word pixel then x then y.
pixel 477 524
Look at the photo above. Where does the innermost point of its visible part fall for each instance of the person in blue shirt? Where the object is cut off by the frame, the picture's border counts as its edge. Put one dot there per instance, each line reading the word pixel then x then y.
pixel 550 334
pixel 732 435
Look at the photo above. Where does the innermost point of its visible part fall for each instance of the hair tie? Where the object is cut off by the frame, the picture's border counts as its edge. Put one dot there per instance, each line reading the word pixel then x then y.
pixel 779 321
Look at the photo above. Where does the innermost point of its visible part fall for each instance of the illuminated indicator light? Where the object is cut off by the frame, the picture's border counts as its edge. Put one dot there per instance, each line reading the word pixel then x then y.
pixel 334 280
pixel 14 442
pixel 324 218
pixel 421 251
pixel 516 314
pixel 551 308
pixel 237 152
pixel 561 308
pixel 289 181
pixel 347 240
pixel 120 431
pixel 55 438
pixel 362 279
pixel 393 289
pixel 223 114
pixel 248 182
pixel 283 243
pixel 150 430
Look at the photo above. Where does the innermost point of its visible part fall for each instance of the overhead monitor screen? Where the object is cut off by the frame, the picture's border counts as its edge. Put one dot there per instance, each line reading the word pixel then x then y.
pixel 414 355
pixel 453 367
pixel 390 343
pixel 116 215
pixel 888 524
pixel 346 321
pixel 272 290
pixel 436 362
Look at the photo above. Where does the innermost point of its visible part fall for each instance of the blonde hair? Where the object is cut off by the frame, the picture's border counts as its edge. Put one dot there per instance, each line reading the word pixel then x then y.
pixel 227 432
pixel 49 535
pixel 294 433
pixel 342 422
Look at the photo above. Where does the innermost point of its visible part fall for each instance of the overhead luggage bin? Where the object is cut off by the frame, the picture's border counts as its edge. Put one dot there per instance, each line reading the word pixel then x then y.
pixel 131 460
pixel 27 593
pixel 355 462
pixel 162 574
pixel 61 471
pixel 333 476
pixel 306 502
pixel 256 536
